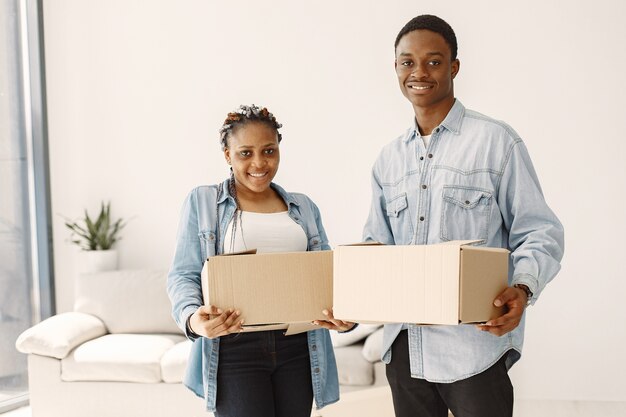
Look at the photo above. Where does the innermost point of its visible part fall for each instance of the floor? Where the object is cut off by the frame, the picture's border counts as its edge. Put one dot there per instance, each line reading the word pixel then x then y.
pixel 376 402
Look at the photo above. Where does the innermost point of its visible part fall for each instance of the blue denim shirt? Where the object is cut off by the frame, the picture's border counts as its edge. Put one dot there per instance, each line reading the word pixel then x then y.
pixel 196 242
pixel 474 181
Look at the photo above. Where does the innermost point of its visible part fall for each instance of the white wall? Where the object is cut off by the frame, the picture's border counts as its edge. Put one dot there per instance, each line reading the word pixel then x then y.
pixel 138 89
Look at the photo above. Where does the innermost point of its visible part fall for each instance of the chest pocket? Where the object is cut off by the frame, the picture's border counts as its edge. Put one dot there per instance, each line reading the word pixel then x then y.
pixel 400 220
pixel 466 213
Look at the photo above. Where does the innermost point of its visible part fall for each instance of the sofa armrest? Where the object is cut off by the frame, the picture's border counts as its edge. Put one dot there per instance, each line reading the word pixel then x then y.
pixel 58 335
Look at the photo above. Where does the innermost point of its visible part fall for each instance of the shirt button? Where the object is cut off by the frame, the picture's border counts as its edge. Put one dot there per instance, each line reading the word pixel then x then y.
pixel 421 218
pixel 424 186
pixel 314 348
pixel 421 158
pixel 430 155
pixel 437 130
pixel 467 202
pixel 316 370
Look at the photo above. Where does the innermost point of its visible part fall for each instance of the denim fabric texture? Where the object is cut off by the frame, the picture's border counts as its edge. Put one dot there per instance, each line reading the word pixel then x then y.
pixel 264 374
pixel 475 181
pixel 202 226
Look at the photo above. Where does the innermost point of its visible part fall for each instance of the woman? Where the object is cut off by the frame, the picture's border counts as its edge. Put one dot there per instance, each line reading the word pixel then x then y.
pixel 258 373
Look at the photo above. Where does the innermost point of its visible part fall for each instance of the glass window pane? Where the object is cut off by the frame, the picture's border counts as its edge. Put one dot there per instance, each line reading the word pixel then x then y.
pixel 15 255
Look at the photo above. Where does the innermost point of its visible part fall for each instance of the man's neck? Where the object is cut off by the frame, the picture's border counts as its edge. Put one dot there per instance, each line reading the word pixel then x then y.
pixel 428 118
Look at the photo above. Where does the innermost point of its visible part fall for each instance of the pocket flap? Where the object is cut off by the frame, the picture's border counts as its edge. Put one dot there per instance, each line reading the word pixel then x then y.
pixel 396 205
pixel 466 197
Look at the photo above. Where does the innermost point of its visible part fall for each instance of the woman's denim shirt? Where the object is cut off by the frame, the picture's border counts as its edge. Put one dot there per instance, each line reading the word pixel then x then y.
pixel 474 181
pixel 195 243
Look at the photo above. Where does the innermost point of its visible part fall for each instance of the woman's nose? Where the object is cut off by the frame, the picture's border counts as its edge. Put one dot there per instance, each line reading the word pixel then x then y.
pixel 259 160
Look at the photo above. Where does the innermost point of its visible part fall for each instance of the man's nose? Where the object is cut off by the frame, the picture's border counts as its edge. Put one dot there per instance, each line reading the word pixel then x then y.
pixel 419 71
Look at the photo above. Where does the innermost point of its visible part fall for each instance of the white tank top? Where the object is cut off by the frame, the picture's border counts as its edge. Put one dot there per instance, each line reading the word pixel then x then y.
pixel 265 232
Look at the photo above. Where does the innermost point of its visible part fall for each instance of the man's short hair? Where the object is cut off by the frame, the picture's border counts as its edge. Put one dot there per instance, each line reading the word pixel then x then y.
pixel 434 24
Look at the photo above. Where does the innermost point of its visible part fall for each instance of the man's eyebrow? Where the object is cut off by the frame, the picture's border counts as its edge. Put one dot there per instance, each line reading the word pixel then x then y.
pixel 427 53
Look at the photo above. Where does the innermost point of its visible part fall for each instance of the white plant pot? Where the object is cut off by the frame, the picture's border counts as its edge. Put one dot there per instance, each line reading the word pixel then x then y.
pixel 98 260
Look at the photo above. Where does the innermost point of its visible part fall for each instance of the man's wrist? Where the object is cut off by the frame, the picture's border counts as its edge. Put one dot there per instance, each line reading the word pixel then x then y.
pixel 529 293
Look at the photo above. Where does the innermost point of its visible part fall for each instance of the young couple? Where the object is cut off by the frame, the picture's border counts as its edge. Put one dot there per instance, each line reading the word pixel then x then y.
pixel 454 174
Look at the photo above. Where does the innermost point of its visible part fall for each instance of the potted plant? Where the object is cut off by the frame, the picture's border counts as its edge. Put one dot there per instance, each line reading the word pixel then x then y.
pixel 96 237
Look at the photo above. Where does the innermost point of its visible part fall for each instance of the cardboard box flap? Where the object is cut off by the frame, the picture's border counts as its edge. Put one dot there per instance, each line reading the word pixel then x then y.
pixel 460 242
pixel 245 252
pixel 368 243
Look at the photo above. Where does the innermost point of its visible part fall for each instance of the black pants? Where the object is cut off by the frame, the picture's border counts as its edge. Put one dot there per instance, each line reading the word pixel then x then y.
pixel 488 394
pixel 264 374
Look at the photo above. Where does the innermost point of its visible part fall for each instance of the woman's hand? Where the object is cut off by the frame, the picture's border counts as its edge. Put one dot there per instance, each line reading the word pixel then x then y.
pixel 332 323
pixel 212 322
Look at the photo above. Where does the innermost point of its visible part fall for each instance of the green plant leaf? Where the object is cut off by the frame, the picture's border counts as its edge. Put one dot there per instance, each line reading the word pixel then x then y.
pixel 100 234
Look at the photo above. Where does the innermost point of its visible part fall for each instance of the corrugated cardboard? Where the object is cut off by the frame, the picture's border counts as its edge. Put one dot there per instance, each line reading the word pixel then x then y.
pixel 272 290
pixel 447 283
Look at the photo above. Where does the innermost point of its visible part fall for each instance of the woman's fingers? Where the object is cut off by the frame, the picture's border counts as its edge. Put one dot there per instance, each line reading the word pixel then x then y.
pixel 225 323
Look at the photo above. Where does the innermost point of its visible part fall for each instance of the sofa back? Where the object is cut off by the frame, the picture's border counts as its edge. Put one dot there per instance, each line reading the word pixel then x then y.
pixel 127 301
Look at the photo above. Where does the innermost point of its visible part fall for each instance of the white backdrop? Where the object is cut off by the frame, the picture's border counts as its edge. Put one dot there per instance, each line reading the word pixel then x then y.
pixel 137 91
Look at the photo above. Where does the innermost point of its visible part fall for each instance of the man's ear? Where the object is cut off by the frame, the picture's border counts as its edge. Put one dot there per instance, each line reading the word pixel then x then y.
pixel 456 65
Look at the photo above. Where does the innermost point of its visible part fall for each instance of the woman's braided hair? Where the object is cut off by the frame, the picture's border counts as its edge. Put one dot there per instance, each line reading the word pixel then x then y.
pixel 242 116
pixel 236 119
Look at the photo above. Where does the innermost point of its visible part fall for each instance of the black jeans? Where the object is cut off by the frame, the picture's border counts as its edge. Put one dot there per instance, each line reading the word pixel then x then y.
pixel 264 374
pixel 488 394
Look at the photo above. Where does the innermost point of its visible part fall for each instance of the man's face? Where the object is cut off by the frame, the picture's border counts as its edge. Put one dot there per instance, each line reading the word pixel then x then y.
pixel 425 69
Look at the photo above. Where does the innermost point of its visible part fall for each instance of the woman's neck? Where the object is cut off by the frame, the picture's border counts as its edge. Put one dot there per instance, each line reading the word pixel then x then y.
pixel 268 201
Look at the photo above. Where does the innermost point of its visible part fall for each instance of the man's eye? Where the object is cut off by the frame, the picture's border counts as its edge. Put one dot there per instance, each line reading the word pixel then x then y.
pixel 406 63
pixel 269 151
pixel 434 63
pixel 244 153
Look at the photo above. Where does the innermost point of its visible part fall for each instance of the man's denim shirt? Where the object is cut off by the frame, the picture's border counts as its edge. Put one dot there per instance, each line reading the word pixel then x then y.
pixel 474 181
pixel 196 242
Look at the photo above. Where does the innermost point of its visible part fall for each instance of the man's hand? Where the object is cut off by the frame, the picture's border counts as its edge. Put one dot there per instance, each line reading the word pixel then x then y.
pixel 212 322
pixel 332 323
pixel 515 301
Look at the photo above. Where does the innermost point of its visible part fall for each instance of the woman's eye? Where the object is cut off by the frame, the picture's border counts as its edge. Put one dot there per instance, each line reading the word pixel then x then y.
pixel 244 153
pixel 269 151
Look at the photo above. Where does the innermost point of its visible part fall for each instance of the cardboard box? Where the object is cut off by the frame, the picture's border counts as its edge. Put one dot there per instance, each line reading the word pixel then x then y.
pixel 447 283
pixel 272 290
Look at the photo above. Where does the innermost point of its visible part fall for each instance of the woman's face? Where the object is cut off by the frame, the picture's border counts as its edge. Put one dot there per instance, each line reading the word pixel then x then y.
pixel 254 156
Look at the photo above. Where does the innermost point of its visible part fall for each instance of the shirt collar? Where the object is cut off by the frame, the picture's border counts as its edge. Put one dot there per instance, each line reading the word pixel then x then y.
pixel 288 198
pixel 452 121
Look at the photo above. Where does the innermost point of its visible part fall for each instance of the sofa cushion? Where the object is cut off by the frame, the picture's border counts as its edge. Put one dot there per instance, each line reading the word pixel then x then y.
pixel 127 301
pixel 174 362
pixel 119 357
pixel 58 335
pixel 352 368
pixel 373 346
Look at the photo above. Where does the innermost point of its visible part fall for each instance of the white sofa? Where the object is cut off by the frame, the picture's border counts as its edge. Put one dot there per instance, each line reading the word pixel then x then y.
pixel 119 353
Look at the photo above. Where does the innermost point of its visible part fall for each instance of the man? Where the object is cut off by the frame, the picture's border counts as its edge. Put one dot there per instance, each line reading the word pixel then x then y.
pixel 457 174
